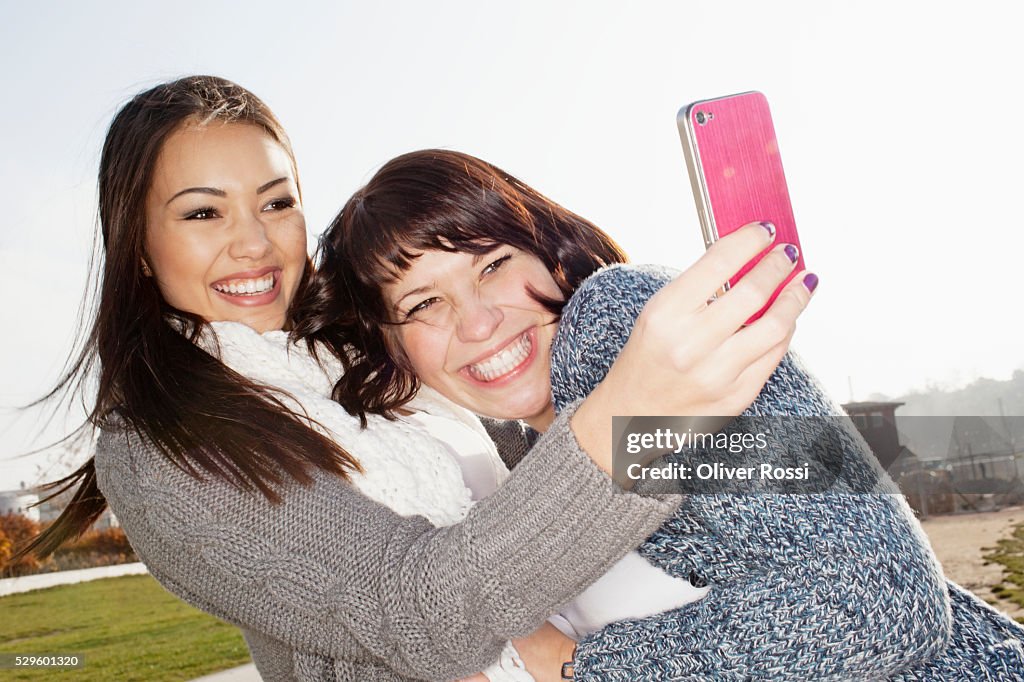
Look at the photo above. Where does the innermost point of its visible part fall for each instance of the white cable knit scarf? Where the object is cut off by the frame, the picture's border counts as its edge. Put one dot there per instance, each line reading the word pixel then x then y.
pixel 404 467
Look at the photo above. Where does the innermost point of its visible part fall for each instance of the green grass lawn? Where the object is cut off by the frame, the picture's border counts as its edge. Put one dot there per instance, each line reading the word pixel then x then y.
pixel 127 628
pixel 1010 553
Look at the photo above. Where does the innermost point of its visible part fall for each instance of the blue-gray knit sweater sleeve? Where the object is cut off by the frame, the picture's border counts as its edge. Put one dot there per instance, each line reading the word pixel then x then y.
pixel 836 585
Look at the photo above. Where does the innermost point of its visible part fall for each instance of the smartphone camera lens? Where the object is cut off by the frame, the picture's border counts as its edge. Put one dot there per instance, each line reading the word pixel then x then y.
pixel 703 118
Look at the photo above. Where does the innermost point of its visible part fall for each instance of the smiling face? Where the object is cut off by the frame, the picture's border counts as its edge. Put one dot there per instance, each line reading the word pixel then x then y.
pixel 472 331
pixel 225 234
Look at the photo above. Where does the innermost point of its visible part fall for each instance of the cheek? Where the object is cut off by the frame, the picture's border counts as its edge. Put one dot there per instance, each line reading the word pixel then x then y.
pixel 537 278
pixel 180 265
pixel 425 349
pixel 549 286
pixel 291 241
pixel 296 237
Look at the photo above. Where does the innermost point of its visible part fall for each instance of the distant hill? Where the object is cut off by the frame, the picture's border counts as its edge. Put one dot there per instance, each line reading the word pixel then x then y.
pixel 984 417
pixel 980 398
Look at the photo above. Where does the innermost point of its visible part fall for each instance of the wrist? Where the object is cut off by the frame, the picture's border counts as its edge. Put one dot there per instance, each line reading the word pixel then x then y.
pixel 569 661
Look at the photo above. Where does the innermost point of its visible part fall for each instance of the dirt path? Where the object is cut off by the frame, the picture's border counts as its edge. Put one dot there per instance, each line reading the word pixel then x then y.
pixel 960 540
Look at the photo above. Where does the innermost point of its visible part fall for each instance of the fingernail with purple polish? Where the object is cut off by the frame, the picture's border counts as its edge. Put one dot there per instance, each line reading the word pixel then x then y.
pixel 811 282
pixel 771 229
pixel 792 253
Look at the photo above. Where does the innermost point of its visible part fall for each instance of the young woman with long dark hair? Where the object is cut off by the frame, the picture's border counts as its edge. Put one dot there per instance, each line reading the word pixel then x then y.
pixel 451 274
pixel 342 552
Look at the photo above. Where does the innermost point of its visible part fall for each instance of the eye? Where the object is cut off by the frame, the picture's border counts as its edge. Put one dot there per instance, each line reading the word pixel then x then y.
pixel 420 307
pixel 492 267
pixel 282 204
pixel 205 213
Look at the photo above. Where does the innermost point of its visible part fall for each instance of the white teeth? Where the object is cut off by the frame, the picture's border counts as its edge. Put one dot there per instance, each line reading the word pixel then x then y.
pixel 503 362
pixel 246 287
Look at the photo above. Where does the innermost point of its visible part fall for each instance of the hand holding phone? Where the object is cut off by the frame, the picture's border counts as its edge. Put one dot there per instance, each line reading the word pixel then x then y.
pixel 679 340
pixel 736 173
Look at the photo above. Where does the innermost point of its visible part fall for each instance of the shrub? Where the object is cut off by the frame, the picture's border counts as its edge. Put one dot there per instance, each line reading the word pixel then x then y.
pixel 94 548
pixel 16 530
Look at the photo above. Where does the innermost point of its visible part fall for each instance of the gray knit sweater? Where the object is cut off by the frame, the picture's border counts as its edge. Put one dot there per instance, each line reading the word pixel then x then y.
pixel 329 585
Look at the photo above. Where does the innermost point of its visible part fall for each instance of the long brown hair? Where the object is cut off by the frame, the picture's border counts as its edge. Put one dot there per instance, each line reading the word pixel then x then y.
pixel 201 415
pixel 429 199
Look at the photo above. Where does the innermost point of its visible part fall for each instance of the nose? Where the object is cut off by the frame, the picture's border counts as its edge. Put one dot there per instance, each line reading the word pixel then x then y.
pixel 478 319
pixel 250 239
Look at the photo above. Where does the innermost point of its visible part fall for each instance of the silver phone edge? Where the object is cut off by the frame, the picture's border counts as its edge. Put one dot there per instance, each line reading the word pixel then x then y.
pixel 697 184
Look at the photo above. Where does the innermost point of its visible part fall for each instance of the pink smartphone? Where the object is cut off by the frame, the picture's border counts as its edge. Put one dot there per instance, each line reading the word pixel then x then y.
pixel 736 172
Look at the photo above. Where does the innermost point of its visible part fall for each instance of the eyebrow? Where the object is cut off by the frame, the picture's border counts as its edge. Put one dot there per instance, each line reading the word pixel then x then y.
pixel 221 193
pixel 412 292
pixel 421 290
pixel 199 190
pixel 263 188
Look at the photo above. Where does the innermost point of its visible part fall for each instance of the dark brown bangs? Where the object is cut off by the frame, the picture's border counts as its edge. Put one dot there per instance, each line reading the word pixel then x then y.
pixel 433 199
pixel 392 265
pixel 456 204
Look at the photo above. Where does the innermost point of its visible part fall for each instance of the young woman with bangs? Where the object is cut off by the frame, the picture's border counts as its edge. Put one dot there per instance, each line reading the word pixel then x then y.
pixel 342 552
pixel 446 274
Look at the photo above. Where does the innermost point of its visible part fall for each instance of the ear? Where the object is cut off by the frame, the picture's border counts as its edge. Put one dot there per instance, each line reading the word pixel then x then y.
pixel 145 268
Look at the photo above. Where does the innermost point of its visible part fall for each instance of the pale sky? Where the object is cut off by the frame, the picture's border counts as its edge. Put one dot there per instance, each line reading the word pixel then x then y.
pixel 898 122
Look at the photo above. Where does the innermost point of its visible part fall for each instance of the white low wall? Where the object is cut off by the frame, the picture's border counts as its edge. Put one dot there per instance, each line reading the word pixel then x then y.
pixel 28 583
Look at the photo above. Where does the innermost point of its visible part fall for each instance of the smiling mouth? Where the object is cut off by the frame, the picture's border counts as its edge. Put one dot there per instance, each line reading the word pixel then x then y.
pixel 504 361
pixel 247 287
